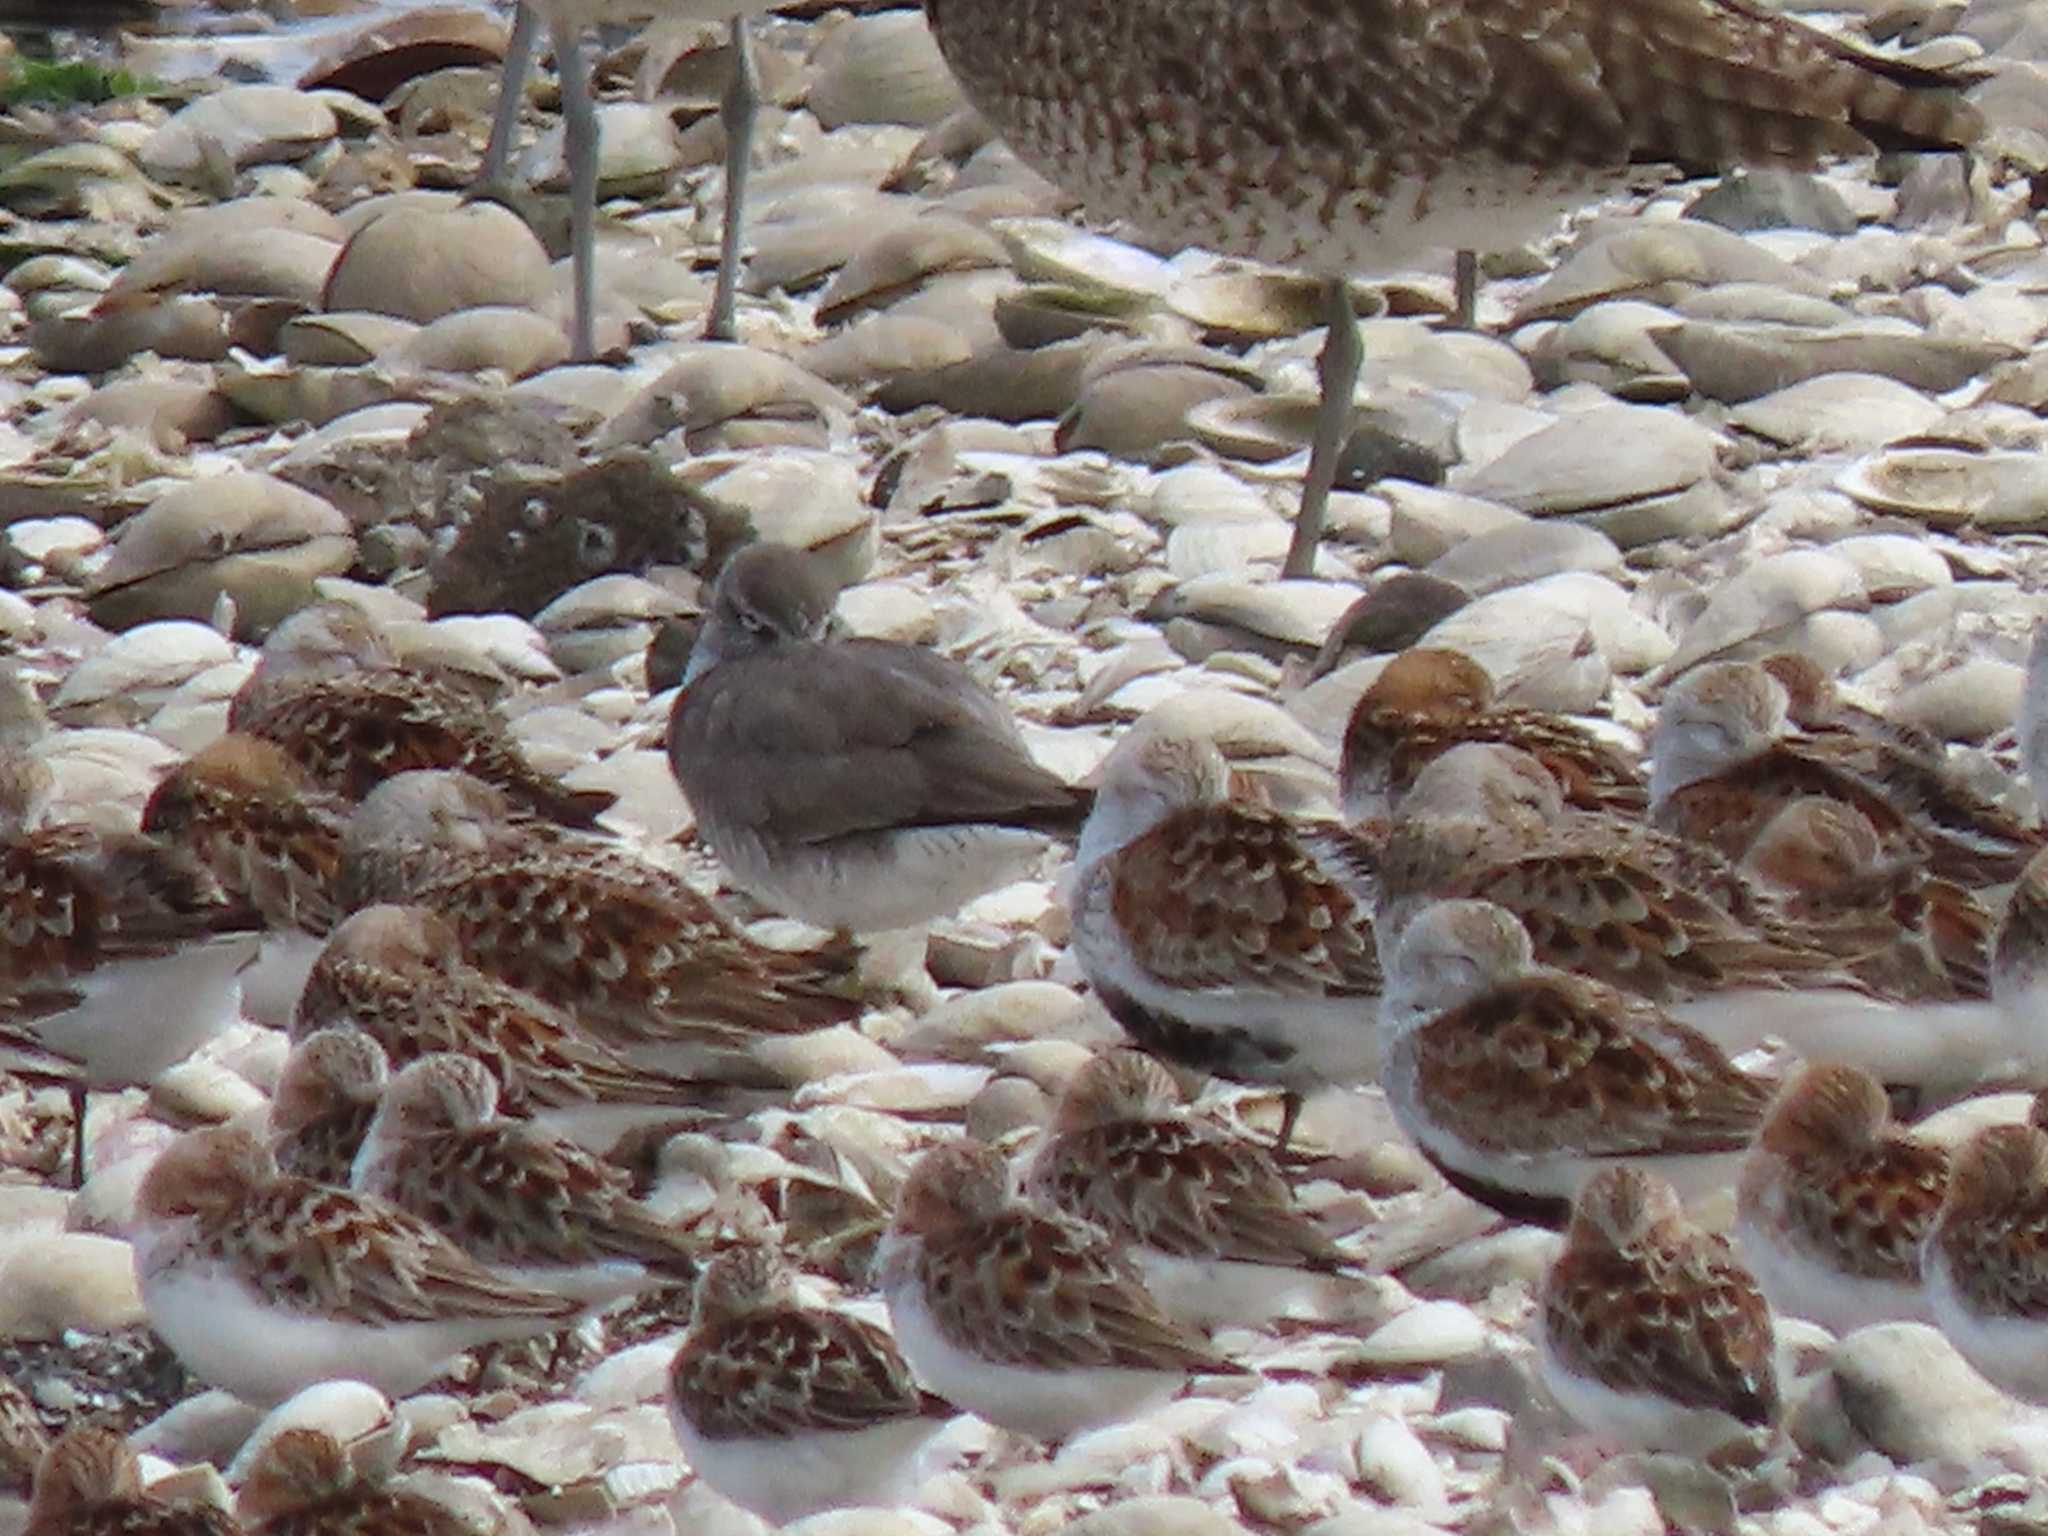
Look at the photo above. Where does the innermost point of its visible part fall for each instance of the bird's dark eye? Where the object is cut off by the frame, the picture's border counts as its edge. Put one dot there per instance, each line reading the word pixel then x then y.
pixel 596 545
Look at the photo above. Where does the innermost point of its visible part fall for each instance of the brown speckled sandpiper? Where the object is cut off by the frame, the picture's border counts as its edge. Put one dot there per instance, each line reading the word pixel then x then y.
pixel 1350 136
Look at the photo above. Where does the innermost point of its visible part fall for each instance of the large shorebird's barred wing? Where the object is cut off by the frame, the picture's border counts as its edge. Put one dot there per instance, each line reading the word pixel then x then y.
pixel 1704 84
pixel 1410 86
pixel 1721 82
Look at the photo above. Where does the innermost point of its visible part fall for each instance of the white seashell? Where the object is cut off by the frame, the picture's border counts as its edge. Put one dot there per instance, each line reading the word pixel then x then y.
pixel 1541 654
pixel 244 124
pixel 1169 1515
pixel 1633 1512
pixel 559 737
pixel 57 1282
pixel 208 1425
pixel 1838 412
pixel 2003 491
pixel 1244 729
pixel 1893 565
pixel 103 776
pixel 1595 459
pixel 1428 1333
pixel 497 642
pixel 1291 612
pixel 202 1091
pixel 1630 640
pixel 347 1410
pixel 868 1522
pixel 1272 1495
pixel 1479 1429
pixel 1226 547
pixel 1054 251
pixel 636 1374
pixel 38 538
pixel 141 666
pixel 1397 1467
pixel 916 1089
pixel 1971 701
pixel 561 1442
pixel 1766 597
pixel 810 500
pixel 196 711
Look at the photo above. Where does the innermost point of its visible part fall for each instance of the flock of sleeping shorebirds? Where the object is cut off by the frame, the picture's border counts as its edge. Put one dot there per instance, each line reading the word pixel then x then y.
pixel 1643 1006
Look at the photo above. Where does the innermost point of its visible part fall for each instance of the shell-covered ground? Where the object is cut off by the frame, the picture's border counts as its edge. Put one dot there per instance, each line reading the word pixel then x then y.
pixel 255 349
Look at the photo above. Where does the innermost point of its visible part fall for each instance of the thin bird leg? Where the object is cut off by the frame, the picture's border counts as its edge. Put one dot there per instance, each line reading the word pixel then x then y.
pixel 1465 304
pixel 738 109
pixel 1343 353
pixel 77 1135
pixel 511 95
pixel 579 144
pixel 1290 1112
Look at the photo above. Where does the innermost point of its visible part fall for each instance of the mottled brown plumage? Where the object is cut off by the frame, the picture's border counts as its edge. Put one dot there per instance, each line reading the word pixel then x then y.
pixel 1353 135
pixel 630 951
pixel 1913 936
pixel 253 817
pixel 1728 760
pixel 331 693
pixel 1608 899
pixel 326 1098
pixel 1427 701
pixel 1519 1082
pixel 22 1441
pixel 397 975
pixel 1220 934
pixel 1985 1265
pixel 511 1195
pixel 1834 1202
pixel 1357 135
pixel 1649 1329
pixel 1205 1214
pixel 759 1363
pixel 89 1484
pixel 301 1484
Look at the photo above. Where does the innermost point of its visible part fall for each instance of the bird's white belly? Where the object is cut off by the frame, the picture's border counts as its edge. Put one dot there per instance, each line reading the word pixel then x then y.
pixel 1799 1284
pixel 785 1478
pixel 877 882
pixel 140 1016
pixel 1049 1404
pixel 226 1335
pixel 2008 1352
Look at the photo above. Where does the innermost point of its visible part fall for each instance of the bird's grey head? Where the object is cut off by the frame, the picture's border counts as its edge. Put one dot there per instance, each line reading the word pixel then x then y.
pixel 1717 715
pixel 1450 953
pixel 1154 771
pixel 768 595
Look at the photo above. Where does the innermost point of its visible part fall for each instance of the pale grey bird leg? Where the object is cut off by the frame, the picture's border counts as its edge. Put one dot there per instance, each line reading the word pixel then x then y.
pixel 579 145
pixel 519 50
pixel 738 109
pixel 1343 354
